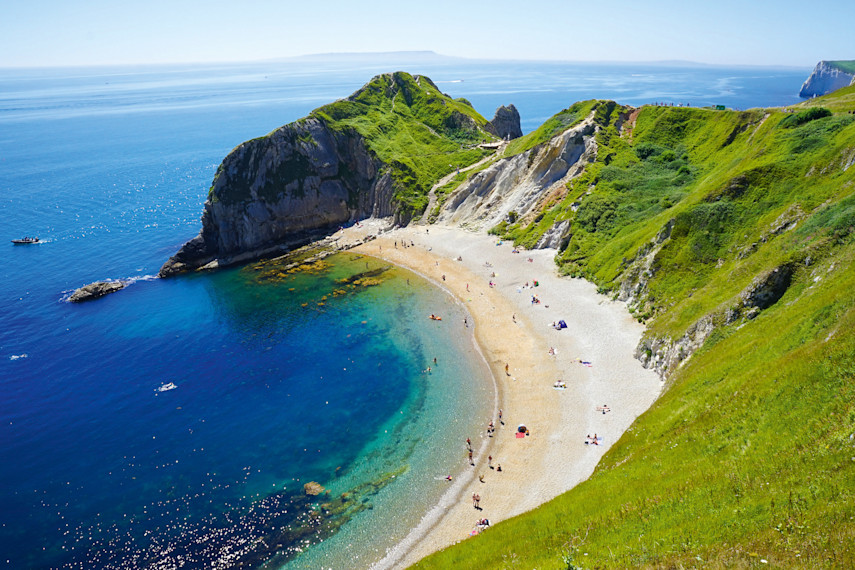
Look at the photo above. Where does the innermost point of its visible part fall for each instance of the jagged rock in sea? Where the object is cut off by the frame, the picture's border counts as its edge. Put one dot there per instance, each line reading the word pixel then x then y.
pixel 825 78
pixel 96 290
pixel 506 123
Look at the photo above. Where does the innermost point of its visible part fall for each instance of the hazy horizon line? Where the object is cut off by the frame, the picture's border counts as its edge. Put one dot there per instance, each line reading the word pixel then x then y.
pixel 420 54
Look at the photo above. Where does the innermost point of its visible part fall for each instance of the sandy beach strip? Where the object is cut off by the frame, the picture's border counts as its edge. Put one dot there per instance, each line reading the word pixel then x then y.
pixel 593 356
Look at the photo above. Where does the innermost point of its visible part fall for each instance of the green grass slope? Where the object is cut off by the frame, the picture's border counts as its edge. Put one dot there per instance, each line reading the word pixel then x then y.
pixel 419 132
pixel 845 65
pixel 748 457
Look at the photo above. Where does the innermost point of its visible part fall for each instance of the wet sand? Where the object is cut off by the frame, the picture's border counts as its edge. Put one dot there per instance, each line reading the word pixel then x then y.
pixel 513 331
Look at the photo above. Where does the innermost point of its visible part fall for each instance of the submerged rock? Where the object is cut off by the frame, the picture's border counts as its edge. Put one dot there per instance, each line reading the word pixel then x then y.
pixel 96 290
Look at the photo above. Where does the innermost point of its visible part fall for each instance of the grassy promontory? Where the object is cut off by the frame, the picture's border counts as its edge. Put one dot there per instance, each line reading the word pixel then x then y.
pixel 748 457
pixel 415 129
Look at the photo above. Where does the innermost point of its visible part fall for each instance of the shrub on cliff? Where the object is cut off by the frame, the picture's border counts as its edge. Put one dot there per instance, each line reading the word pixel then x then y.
pixel 805 116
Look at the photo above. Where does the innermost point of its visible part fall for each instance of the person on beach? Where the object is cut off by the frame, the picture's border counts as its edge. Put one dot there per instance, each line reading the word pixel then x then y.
pixel 477 498
pixel 507 366
pixel 474 503
pixel 490 461
pixel 481 477
pixel 469 443
pixel 500 417
pixel 499 467
pixel 470 458
pixel 465 323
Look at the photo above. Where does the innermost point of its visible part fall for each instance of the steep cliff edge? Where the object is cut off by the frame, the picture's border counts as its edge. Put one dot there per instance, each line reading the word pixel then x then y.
pixel 282 190
pixel 828 76
pixel 376 153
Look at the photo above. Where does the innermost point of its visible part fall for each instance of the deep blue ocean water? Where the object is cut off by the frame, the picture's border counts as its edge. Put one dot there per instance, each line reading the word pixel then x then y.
pixel 282 378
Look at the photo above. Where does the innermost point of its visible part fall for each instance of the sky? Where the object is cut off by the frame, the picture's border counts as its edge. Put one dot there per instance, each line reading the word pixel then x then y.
pixel 35 33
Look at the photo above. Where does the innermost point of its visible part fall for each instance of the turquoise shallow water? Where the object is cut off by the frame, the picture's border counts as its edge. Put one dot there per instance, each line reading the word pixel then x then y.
pixel 110 167
pixel 281 379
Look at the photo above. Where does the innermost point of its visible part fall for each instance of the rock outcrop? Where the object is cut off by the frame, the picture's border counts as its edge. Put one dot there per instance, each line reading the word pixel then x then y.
pixel 825 78
pixel 506 123
pixel 664 355
pixel 96 290
pixel 278 192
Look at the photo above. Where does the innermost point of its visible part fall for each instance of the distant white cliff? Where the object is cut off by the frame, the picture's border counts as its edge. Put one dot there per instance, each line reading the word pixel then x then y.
pixel 828 76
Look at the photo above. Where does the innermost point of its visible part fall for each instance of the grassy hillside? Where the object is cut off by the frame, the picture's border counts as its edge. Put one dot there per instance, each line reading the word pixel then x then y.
pixel 556 124
pixel 414 128
pixel 846 65
pixel 748 458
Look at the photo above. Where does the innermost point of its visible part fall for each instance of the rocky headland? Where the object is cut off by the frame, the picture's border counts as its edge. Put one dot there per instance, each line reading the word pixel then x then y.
pixel 307 179
pixel 828 76
pixel 281 191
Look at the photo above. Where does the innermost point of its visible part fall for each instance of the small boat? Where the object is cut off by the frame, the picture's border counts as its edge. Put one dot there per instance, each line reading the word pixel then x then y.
pixel 167 387
pixel 25 240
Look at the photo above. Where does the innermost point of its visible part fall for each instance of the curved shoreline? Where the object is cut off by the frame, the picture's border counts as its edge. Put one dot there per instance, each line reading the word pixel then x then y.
pixel 512 330
pixel 455 493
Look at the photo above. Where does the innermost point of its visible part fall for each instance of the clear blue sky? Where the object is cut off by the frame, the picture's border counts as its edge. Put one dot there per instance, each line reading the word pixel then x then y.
pixel 753 32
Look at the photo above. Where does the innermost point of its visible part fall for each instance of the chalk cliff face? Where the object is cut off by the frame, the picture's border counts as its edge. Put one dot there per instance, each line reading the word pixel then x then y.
pixel 283 189
pixel 518 186
pixel 825 79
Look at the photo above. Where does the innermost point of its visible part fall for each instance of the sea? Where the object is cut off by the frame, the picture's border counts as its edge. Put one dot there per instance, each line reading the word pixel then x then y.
pixel 177 423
